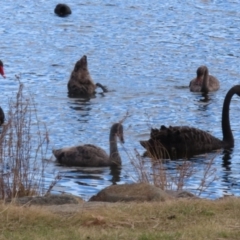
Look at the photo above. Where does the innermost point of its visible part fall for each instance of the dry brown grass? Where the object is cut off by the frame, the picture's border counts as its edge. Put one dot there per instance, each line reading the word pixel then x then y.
pixel 178 219
pixel 156 171
pixel 23 147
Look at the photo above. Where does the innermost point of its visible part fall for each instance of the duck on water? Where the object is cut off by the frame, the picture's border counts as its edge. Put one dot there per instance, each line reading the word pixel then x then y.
pixel 185 141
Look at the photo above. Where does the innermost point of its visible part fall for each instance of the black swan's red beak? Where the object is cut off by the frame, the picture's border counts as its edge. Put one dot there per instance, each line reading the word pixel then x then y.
pixel 2 71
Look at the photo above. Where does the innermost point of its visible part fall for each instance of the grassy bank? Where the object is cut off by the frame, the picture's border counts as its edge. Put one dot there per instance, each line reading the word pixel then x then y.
pixel 180 219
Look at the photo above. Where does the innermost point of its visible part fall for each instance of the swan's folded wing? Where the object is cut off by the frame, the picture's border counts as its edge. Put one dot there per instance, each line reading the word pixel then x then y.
pixel 85 155
pixel 180 141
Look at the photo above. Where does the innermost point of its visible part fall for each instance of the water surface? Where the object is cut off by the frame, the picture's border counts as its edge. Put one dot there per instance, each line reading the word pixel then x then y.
pixel 146 53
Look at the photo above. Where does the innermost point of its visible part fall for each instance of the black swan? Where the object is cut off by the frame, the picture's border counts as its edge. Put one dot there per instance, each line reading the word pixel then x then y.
pixel 2 69
pixel 62 10
pixel 89 155
pixel 80 82
pixel 2 116
pixel 204 82
pixel 184 141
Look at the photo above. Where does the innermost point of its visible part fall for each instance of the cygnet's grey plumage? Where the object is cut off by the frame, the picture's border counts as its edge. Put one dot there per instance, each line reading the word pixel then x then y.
pixel 89 155
pixel 204 82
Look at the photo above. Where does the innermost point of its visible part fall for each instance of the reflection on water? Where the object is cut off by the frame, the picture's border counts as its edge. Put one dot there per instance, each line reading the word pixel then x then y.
pixel 82 104
pixel 228 180
pixel 205 98
pixel 93 174
pixel 227 159
pixel 115 172
pixel 204 101
pixel 83 107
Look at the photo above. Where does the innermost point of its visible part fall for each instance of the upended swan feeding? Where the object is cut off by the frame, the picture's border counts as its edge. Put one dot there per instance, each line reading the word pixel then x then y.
pixel 80 82
pixel 184 141
pixel 89 155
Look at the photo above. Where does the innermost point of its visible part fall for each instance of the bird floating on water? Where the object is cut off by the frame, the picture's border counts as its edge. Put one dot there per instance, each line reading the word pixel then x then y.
pixel 185 141
pixel 89 155
pixel 204 82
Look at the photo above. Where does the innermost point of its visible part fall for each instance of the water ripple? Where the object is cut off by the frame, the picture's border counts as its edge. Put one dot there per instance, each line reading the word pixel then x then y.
pixel 146 53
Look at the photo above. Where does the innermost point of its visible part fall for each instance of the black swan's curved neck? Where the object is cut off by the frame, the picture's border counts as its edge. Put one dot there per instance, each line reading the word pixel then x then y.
pixel 205 81
pixel 226 128
pixel 114 156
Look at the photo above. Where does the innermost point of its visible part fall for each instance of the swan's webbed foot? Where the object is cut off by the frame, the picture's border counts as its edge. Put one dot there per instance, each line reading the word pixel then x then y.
pixel 104 88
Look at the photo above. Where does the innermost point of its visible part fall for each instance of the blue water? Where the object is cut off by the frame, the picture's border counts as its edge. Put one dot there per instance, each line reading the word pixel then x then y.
pixel 146 53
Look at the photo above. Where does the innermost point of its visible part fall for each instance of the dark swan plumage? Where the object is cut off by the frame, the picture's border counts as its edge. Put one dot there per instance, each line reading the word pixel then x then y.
pixel 2 116
pixel 89 155
pixel 62 10
pixel 184 141
pixel 80 82
pixel 204 82
pixel 2 69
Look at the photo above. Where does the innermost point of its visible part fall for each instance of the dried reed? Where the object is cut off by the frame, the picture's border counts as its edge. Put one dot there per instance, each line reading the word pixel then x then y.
pixel 23 147
pixel 170 175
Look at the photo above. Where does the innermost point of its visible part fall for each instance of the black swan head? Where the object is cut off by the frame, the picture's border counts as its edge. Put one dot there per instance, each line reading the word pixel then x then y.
pixel 62 10
pixel 200 71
